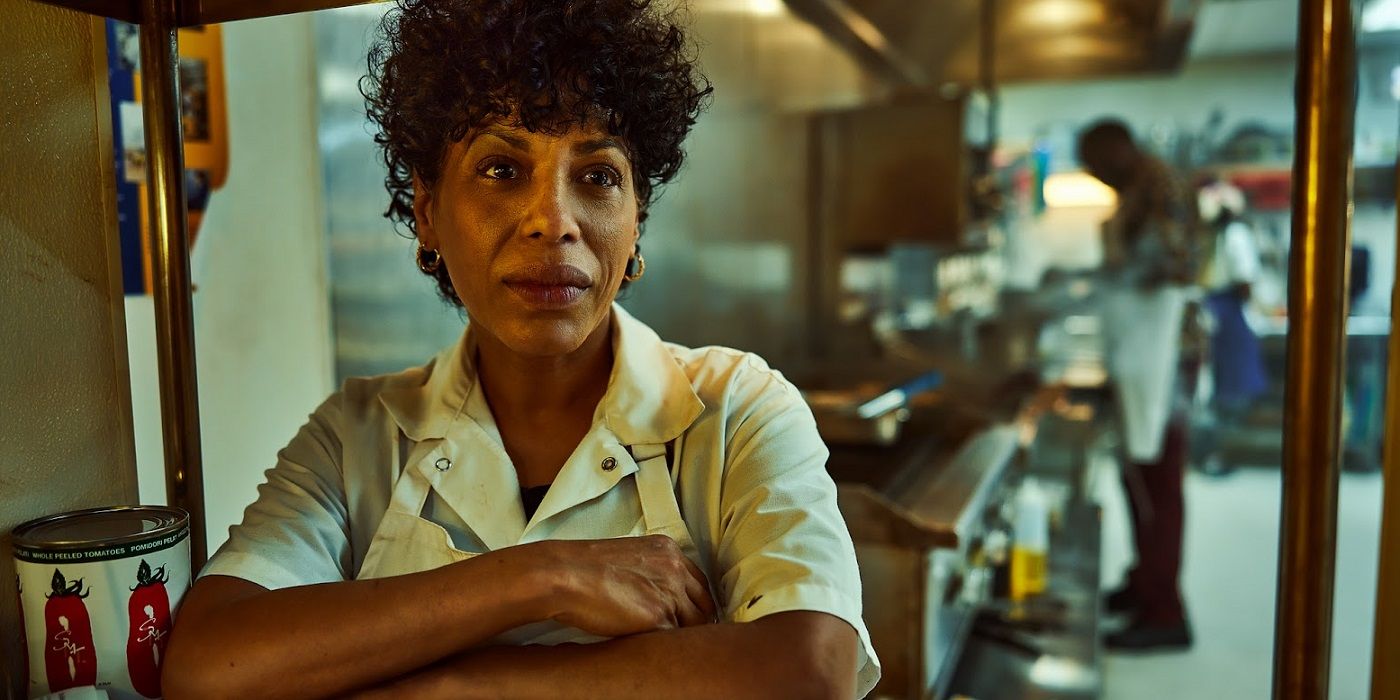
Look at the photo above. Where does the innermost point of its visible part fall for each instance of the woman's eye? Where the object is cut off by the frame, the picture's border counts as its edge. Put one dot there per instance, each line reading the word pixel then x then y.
pixel 602 177
pixel 499 171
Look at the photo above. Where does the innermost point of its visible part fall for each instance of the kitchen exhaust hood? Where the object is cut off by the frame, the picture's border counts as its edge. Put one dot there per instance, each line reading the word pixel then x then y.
pixel 930 43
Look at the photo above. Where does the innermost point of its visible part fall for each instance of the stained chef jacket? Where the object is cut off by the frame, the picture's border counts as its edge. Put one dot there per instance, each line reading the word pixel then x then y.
pixel 746 465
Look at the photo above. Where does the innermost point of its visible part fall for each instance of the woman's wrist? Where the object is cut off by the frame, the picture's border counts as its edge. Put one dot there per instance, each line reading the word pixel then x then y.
pixel 539 581
pixel 437 681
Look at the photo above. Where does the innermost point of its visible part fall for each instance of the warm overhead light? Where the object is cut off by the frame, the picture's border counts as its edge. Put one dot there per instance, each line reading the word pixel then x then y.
pixel 1058 14
pixel 757 8
pixel 1071 46
pixel 1077 189
pixel 766 8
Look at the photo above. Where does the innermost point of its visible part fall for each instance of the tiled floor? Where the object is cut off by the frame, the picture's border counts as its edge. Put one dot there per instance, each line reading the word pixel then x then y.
pixel 1229 585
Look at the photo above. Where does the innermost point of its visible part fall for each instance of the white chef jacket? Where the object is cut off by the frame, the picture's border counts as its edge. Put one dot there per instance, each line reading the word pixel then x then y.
pixel 1236 258
pixel 748 474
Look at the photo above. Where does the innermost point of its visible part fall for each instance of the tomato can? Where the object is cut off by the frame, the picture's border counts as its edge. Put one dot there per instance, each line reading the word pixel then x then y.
pixel 98 589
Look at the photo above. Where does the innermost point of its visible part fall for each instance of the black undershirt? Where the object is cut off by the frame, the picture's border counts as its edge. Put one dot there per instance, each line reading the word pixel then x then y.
pixel 530 497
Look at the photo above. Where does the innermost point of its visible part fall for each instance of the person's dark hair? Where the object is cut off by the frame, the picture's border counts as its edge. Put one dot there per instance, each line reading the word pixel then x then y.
pixel 1102 135
pixel 442 67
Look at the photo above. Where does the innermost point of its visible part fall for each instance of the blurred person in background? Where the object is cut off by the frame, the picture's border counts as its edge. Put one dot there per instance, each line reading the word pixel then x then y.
pixel 1363 406
pixel 1237 372
pixel 1148 269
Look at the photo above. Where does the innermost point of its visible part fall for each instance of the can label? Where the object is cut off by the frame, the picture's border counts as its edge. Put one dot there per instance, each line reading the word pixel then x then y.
pixel 101 616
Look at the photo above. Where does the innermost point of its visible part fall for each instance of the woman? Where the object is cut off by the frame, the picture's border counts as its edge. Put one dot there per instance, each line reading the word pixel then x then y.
pixel 560 475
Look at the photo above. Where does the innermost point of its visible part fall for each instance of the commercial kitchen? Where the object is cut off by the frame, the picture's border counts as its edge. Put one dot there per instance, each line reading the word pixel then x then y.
pixel 887 202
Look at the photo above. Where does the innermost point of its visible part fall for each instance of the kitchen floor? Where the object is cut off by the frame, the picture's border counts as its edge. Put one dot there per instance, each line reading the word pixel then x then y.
pixel 1229 584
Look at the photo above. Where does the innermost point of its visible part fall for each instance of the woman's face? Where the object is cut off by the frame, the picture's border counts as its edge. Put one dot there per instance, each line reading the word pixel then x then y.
pixel 535 231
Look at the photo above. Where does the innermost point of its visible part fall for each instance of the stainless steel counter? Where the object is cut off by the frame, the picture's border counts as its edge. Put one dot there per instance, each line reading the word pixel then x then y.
pixel 936 497
pixel 915 511
pixel 1046 649
pixel 1048 646
pixel 919 513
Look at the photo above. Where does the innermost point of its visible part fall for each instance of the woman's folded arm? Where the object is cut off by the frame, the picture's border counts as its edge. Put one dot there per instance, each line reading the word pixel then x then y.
pixel 234 638
pixel 788 655
pixel 237 639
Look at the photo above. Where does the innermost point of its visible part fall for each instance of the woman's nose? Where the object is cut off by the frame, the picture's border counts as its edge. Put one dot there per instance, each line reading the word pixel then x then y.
pixel 549 213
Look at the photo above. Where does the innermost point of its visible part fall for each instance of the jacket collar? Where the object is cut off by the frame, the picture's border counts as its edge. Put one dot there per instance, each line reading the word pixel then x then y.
pixel 649 399
pixel 426 400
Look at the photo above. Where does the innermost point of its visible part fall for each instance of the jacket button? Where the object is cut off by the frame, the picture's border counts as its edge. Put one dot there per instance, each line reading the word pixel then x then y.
pixel 443 464
pixel 609 464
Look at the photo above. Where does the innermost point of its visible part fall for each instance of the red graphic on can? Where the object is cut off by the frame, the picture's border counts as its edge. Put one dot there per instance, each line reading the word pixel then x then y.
pixel 149 613
pixel 69 658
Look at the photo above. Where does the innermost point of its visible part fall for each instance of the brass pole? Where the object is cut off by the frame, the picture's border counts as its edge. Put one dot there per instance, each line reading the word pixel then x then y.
pixel 1385 673
pixel 165 187
pixel 1317 312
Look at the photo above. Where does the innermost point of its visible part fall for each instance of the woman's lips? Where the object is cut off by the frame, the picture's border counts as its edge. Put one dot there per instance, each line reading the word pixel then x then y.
pixel 553 296
pixel 549 286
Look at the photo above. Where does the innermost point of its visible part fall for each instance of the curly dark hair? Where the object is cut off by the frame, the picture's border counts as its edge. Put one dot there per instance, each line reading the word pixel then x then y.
pixel 442 67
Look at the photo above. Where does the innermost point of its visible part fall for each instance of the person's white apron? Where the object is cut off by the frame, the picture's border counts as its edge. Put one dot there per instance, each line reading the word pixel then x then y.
pixel 407 543
pixel 1142 335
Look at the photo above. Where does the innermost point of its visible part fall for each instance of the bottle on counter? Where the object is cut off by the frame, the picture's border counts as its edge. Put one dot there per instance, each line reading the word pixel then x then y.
pixel 1030 551
pixel 996 554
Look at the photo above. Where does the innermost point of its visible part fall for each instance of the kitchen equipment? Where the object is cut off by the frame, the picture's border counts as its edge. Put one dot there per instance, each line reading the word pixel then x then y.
pixel 854 417
pixel 918 516
pixel 97 591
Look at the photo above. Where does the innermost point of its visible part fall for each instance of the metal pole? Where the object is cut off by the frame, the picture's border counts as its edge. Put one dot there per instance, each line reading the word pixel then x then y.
pixel 165 186
pixel 1385 674
pixel 1317 312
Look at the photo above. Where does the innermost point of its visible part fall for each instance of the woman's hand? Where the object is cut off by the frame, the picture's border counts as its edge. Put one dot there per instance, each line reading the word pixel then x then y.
pixel 629 585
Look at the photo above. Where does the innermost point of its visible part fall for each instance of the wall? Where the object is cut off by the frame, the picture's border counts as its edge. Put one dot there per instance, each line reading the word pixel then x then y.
pixel 261 310
pixel 65 422
pixel 387 314
pixel 1243 89
pixel 729 244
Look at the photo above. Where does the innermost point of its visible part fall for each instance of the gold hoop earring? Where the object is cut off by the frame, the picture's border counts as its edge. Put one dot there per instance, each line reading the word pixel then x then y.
pixel 636 267
pixel 428 260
